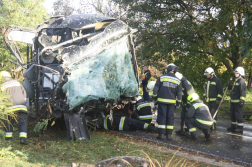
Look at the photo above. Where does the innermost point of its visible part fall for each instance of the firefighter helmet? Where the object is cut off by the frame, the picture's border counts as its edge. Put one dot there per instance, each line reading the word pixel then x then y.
pixel 138 98
pixel 171 67
pixel 192 97
pixel 150 86
pixel 240 70
pixel 5 74
pixel 209 71
pixel 179 75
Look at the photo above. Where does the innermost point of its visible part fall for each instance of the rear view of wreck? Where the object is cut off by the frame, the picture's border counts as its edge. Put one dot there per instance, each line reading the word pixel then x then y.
pixel 82 65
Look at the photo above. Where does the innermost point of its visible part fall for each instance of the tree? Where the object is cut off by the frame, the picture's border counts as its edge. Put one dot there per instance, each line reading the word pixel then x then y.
pixel 25 13
pixel 212 28
pixel 64 7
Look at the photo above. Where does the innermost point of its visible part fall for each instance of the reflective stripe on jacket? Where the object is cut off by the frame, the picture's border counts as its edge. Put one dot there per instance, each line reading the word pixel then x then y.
pixel 213 89
pixel 238 91
pixel 16 91
pixel 200 112
pixel 168 89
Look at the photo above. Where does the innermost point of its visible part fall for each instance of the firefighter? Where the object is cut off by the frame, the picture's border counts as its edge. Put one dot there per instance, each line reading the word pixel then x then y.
pixel 125 123
pixel 213 92
pixel 187 89
pixel 143 111
pixel 198 115
pixel 238 95
pixel 167 89
pixel 146 77
pixel 18 97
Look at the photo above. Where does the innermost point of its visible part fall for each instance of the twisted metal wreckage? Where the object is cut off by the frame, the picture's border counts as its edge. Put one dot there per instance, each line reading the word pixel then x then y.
pixel 83 65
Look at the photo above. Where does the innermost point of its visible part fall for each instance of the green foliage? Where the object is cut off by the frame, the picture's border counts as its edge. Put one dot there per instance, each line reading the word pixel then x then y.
pixel 5 115
pixel 24 13
pixel 212 31
pixel 7 153
pixel 41 125
pixel 52 150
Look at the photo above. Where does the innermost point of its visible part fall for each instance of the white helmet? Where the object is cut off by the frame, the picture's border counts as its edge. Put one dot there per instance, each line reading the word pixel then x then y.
pixel 150 86
pixel 138 98
pixel 171 67
pixel 5 74
pixel 179 75
pixel 240 70
pixel 209 71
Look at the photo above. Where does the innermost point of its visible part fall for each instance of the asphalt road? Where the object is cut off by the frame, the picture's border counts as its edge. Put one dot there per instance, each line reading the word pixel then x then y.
pixel 222 144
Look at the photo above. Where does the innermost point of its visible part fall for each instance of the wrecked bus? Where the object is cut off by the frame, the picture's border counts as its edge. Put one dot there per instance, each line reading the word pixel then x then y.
pixel 83 65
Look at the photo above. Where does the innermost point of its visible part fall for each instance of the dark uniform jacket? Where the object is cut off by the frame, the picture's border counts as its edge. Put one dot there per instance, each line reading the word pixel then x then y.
pixel 187 89
pixel 213 89
pixel 123 123
pixel 167 88
pixel 116 125
pixel 200 112
pixel 17 94
pixel 146 77
pixel 143 112
pixel 239 90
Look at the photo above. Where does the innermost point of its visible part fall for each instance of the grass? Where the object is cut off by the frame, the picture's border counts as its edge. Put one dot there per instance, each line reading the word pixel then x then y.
pixel 51 149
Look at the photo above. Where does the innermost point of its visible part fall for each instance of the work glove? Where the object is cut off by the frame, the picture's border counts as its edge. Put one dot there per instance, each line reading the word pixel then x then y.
pixel 241 103
pixel 228 84
pixel 178 104
pixel 204 98
pixel 217 102
pixel 155 101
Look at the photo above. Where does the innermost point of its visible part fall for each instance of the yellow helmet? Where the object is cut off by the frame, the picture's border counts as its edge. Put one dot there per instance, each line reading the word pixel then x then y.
pixel 192 97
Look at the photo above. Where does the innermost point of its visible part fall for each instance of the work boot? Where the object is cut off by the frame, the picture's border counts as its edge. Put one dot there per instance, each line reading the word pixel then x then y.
pixel 186 132
pixel 180 132
pixel 232 128
pixel 160 136
pixel 168 137
pixel 152 128
pixel 23 141
pixel 8 138
pixel 207 134
pixel 193 136
pixel 238 130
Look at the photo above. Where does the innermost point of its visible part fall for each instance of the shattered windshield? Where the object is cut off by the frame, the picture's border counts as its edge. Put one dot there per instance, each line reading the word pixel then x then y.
pixel 107 75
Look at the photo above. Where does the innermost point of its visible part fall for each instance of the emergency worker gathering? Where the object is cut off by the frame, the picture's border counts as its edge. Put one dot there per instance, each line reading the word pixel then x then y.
pixel 173 90
pixel 170 91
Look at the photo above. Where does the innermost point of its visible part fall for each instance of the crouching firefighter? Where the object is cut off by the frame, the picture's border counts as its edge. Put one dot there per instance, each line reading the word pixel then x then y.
pixel 213 92
pixel 167 90
pixel 198 115
pixel 125 123
pixel 238 95
pixel 143 111
pixel 187 89
pixel 17 94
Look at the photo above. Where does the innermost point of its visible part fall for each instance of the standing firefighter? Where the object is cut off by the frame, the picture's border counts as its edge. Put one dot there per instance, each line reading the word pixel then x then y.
pixel 18 97
pixel 213 92
pixel 198 115
pixel 187 89
pixel 238 95
pixel 146 77
pixel 167 90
